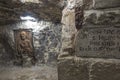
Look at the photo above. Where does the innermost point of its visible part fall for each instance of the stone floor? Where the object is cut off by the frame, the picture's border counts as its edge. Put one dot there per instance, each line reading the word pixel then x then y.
pixel 33 73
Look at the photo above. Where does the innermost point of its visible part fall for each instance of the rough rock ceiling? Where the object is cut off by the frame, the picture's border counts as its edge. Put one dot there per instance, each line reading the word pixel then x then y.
pixel 11 10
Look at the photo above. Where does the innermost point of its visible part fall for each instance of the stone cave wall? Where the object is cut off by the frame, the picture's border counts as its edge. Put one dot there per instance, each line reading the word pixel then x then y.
pixel 98 14
pixel 4 57
pixel 46 42
pixel 6 49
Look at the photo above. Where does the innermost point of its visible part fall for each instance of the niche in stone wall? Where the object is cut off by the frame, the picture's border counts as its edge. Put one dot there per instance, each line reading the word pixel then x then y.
pixel 24 47
pixel 79 17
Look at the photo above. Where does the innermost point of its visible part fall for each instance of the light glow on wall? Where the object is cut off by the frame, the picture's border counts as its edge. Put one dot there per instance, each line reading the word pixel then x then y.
pixel 32 1
pixel 27 18
pixel 36 26
pixel 33 23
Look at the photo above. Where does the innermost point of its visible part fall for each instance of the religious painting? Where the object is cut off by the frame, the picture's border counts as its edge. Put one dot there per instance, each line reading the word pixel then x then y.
pixel 24 46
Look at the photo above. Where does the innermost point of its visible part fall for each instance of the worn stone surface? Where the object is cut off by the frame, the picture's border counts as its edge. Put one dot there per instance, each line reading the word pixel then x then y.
pixel 102 17
pixel 100 4
pixel 105 70
pixel 33 73
pixel 88 4
pixel 88 69
pixel 69 70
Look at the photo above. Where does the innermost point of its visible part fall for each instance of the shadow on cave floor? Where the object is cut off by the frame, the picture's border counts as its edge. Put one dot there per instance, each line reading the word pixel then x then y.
pixel 34 73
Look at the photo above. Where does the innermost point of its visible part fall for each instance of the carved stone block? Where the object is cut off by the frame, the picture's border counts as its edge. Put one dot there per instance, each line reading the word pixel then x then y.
pixel 68 70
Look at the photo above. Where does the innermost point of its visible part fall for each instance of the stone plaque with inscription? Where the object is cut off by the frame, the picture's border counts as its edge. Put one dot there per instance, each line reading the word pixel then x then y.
pixel 98 42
